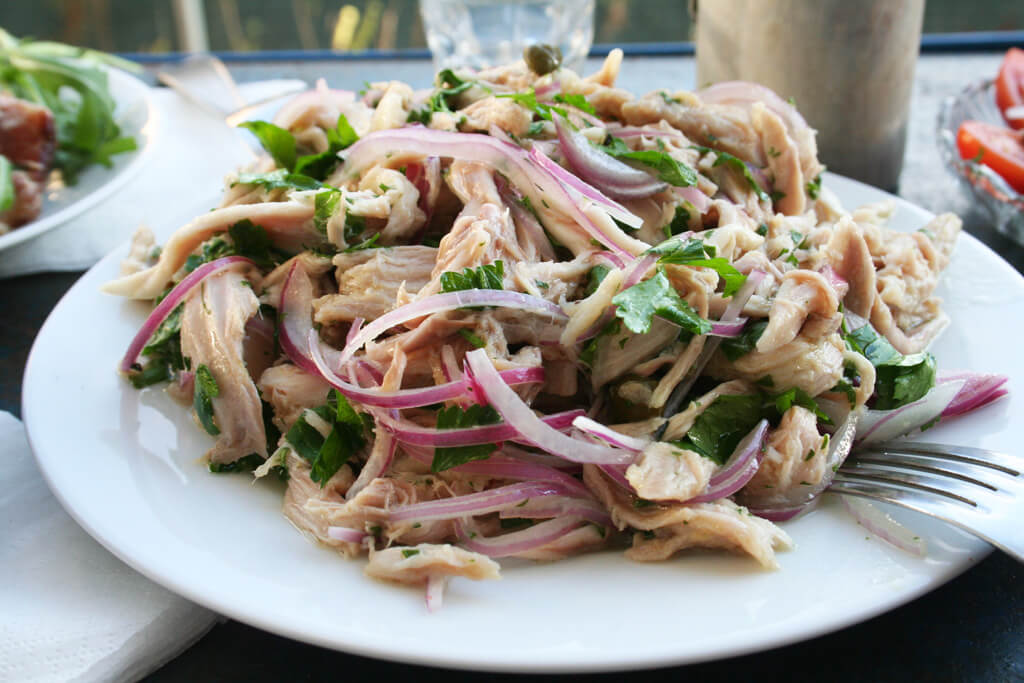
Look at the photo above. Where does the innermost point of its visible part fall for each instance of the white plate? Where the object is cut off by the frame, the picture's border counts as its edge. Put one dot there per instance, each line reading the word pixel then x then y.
pixel 135 114
pixel 124 464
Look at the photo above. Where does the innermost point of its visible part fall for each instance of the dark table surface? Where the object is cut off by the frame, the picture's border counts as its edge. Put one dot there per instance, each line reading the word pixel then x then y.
pixel 971 629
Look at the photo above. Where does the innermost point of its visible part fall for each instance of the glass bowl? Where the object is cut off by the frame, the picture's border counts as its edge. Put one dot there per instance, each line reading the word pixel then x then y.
pixel 1004 204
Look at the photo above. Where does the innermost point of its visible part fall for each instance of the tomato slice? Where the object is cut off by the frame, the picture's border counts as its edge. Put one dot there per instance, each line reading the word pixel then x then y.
pixel 1010 87
pixel 998 148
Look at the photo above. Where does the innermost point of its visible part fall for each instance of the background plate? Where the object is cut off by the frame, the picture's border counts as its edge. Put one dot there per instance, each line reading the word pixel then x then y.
pixel 136 115
pixel 124 464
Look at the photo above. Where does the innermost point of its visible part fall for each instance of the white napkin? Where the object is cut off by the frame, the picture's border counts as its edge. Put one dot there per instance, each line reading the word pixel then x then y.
pixel 192 152
pixel 71 611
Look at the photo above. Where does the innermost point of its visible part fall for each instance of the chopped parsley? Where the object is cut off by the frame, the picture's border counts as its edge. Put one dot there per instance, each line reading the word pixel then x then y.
pixel 698 254
pixel 595 277
pixel 899 379
pixel 483 277
pixel 737 164
pixel 475 340
pixel 665 167
pixel 206 389
pixel 455 417
pixel 578 101
pixel 656 296
pixel 281 146
pixel 739 346
pixel 679 223
pixel 409 552
pixel 814 187
pixel 327 454
pixel 443 100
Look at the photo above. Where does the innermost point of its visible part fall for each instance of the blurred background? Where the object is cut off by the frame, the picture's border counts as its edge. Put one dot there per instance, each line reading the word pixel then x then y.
pixel 161 26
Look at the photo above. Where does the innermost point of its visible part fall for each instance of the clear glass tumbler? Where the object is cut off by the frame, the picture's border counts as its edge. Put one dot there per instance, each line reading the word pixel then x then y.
pixel 482 33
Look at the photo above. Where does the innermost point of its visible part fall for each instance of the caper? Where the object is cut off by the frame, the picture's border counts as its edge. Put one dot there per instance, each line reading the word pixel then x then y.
pixel 542 58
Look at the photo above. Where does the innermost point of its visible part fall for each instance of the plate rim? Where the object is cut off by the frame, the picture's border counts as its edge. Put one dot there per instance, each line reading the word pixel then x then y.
pixel 788 634
pixel 120 176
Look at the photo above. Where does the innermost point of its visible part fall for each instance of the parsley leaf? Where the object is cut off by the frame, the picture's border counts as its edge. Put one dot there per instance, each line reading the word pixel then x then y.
pixel 718 430
pixel 281 179
pixel 665 167
pixel 578 101
pixel 484 277
pixel 206 390
pixel 724 158
pixel 899 379
pixel 737 347
pixel 799 397
pixel 278 143
pixel 448 86
pixel 595 277
pixel 319 166
pixel 680 222
pixel 326 205
pixel 814 187
pixel 656 296
pixel 696 253
pixel 455 417
pixel 529 100
pixel 327 455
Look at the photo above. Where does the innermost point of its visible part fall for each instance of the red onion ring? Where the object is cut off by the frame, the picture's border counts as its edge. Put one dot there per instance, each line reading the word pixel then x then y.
pixel 412 433
pixel 341 533
pixel 472 504
pixel 739 469
pixel 609 175
pixel 520 417
pixel 609 435
pixel 504 467
pixel 177 295
pixel 516 542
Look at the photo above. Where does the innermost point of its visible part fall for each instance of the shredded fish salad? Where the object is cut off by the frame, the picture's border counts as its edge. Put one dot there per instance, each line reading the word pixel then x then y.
pixel 532 315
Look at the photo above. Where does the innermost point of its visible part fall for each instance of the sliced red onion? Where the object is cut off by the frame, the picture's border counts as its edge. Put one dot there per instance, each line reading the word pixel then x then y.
pixel 516 542
pixel 502 466
pixel 978 390
pixel 559 506
pixel 605 433
pixel 840 444
pixel 885 527
pixel 611 259
pixel 410 432
pixel 732 312
pixel 341 533
pixel 534 180
pixel 408 398
pixel 436 583
pixel 521 455
pixel 296 333
pixel 617 473
pixel 638 269
pixel 472 504
pixel 781 514
pixel 884 425
pixel 727 328
pixel 1014 114
pixel 177 295
pixel 613 177
pixel 835 280
pixel 519 416
pixel 378 463
pixel 449 301
pixel 739 469
pixel 700 201
pixel 745 93
pixel 426 178
pixel 450 366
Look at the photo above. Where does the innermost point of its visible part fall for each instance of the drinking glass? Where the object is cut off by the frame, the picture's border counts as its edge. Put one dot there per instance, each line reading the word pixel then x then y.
pixel 482 33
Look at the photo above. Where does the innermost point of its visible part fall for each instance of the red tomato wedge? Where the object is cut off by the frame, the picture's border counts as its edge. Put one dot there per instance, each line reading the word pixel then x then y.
pixel 1010 88
pixel 998 148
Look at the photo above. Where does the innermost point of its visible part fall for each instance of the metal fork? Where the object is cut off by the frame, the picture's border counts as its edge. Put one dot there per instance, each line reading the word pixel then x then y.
pixel 978 490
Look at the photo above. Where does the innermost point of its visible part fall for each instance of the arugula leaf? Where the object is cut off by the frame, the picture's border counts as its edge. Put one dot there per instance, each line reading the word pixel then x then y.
pixel 6 184
pixel 279 143
pixel 665 167
pixel 578 101
pixel 206 390
pixel 281 179
pixel 455 417
pixel 484 277
pixel 695 253
pixel 737 347
pixel 724 158
pixel 799 397
pixel 327 454
pixel 899 379
pixel 718 430
pixel 656 296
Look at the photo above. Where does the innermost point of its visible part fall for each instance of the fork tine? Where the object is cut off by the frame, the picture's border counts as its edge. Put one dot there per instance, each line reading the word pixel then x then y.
pixel 1001 462
pixel 951 470
pixel 903 480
